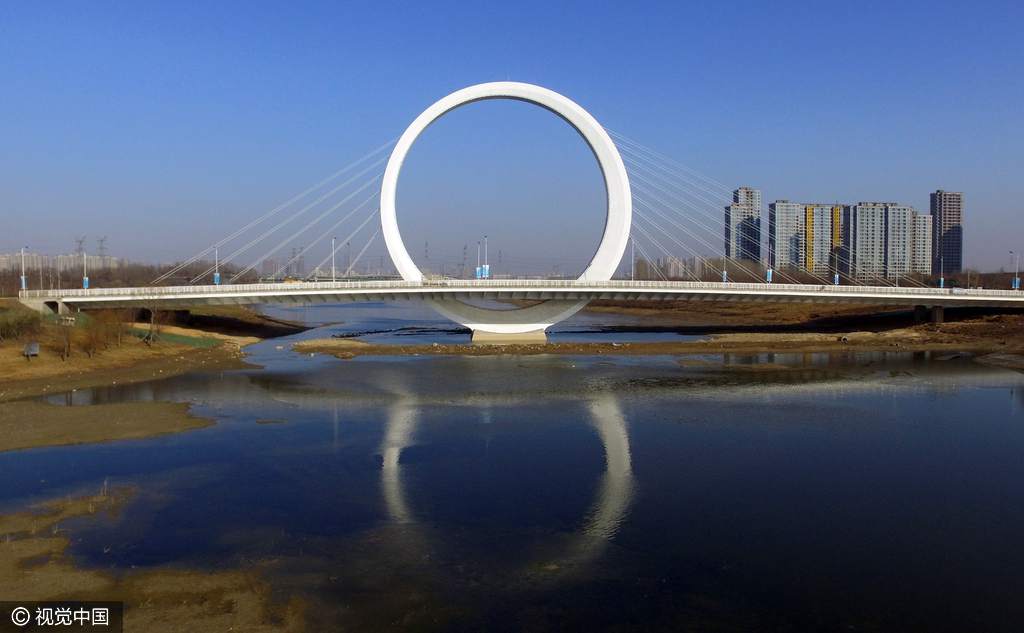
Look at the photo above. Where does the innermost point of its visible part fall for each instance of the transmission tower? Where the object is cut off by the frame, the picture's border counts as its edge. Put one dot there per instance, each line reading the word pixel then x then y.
pixel 462 270
pixel 80 245
pixel 101 246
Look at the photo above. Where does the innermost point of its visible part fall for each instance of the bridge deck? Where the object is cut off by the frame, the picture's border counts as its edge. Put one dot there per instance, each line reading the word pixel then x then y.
pixel 524 289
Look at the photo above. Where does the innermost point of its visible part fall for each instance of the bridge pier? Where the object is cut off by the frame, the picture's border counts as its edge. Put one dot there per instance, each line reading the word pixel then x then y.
pixel 933 314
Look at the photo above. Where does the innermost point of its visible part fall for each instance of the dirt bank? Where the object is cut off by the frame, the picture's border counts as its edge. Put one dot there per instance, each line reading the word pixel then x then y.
pixel 133 361
pixel 35 565
pixel 35 424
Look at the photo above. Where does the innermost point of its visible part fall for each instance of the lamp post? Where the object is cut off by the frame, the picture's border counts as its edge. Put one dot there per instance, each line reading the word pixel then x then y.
pixel 216 265
pixel 85 271
pixel 487 267
pixel 24 281
pixel 942 271
pixel 1016 270
pixel 334 274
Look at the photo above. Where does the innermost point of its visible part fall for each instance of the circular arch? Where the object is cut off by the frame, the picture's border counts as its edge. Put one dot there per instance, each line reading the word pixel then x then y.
pixel 617 220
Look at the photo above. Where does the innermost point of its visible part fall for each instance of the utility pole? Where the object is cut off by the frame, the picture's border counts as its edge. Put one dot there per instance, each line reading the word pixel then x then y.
pixel 942 271
pixel 487 267
pixel 478 271
pixel 85 271
pixel 24 281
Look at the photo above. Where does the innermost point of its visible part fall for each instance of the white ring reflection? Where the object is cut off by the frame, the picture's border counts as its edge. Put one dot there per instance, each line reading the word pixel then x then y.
pixel 605 515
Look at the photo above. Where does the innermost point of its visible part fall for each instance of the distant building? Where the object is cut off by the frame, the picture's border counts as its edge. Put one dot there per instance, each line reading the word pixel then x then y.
pixel 59 263
pixel 743 225
pixel 785 234
pixel 921 245
pixel 947 211
pixel 822 238
pixel 804 235
pixel 864 240
pixel 884 240
pixel 672 267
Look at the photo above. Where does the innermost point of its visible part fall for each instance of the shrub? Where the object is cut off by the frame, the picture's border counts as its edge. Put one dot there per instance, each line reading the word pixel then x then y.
pixel 18 323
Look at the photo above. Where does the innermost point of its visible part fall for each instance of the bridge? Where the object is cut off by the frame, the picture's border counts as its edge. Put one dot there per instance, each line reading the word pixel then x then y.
pixel 445 293
pixel 653 200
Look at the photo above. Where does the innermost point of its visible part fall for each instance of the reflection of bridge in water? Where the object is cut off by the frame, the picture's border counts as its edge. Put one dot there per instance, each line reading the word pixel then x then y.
pixel 601 522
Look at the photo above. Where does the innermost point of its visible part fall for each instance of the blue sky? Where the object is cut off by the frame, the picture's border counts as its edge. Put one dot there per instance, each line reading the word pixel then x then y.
pixel 164 126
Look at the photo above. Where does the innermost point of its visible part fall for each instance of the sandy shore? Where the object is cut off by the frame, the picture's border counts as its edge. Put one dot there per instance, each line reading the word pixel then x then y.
pixel 34 424
pixel 34 565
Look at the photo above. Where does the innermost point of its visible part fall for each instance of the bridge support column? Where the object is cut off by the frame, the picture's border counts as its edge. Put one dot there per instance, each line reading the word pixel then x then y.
pixel 938 314
pixel 525 338
pixel 921 314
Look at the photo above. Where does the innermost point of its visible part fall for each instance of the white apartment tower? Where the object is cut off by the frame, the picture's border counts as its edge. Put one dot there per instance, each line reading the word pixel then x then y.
pixel 885 240
pixel 743 225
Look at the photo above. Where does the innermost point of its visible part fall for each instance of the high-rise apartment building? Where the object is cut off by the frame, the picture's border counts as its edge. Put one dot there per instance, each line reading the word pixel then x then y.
pixel 822 237
pixel 743 225
pixel 947 210
pixel 884 240
pixel 921 245
pixel 805 236
pixel 785 234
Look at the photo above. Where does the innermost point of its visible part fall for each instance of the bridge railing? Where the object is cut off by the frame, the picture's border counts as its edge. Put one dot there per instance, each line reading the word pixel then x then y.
pixel 156 292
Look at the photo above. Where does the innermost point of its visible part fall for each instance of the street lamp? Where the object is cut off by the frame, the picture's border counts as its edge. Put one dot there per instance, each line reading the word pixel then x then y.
pixel 216 265
pixel 942 271
pixel 334 274
pixel 1016 270
pixel 487 267
pixel 24 281
pixel 85 271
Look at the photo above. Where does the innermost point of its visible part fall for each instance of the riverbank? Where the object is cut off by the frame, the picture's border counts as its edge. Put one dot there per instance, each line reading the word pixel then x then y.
pixel 1001 333
pixel 132 361
pixel 208 339
pixel 35 565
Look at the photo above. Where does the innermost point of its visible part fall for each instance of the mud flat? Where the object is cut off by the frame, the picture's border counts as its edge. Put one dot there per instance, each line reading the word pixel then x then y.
pixel 35 565
pixel 1009 361
pixel 36 424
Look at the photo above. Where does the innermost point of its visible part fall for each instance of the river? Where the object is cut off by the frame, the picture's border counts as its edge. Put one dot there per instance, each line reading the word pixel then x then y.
pixel 791 492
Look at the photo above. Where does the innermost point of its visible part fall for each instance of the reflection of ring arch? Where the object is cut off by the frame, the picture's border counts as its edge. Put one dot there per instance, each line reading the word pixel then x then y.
pixel 617 221
pixel 606 513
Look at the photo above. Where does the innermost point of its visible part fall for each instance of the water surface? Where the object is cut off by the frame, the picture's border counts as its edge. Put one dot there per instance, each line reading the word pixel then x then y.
pixel 746 492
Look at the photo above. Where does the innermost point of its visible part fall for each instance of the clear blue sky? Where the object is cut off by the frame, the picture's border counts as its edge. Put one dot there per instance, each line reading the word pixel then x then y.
pixel 165 125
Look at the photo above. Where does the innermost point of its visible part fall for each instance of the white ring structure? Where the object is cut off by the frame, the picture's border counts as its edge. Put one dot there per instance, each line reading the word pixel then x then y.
pixel 609 253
